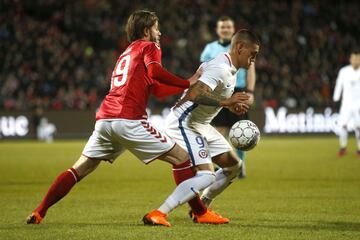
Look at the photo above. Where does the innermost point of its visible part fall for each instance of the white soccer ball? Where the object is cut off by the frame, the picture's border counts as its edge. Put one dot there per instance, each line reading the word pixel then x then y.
pixel 244 135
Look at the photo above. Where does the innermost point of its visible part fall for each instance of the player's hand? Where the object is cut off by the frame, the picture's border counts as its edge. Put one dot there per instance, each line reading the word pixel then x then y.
pixel 239 97
pixel 194 78
pixel 251 99
pixel 238 108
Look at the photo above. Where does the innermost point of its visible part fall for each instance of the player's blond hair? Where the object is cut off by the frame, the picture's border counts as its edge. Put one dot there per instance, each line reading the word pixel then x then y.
pixel 138 22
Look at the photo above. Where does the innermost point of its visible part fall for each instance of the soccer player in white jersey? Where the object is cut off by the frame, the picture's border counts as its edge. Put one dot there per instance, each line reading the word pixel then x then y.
pixel 189 121
pixel 348 88
pixel 245 80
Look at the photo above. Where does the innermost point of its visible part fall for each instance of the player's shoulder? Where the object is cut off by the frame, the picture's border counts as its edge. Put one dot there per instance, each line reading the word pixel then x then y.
pixel 222 60
pixel 147 44
pixel 345 68
pixel 219 66
pixel 213 44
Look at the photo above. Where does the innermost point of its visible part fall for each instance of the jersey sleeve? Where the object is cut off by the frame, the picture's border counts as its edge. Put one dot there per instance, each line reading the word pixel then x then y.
pixel 241 76
pixel 212 75
pixel 152 54
pixel 160 90
pixel 338 86
pixel 205 55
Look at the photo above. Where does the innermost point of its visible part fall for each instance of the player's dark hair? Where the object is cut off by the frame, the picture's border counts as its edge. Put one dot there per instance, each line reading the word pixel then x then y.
pixel 246 37
pixel 355 51
pixel 225 18
pixel 138 22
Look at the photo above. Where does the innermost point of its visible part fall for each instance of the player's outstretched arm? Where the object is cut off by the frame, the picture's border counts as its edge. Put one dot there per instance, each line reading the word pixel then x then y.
pixel 250 82
pixel 201 93
pixel 161 91
pixel 156 71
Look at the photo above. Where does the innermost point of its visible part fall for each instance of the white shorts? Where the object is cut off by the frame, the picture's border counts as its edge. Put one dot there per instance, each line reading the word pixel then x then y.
pixel 202 141
pixel 347 113
pixel 111 137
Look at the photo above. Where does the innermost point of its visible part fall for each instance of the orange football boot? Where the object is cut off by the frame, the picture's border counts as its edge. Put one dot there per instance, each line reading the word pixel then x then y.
pixel 342 152
pixel 34 218
pixel 210 217
pixel 156 217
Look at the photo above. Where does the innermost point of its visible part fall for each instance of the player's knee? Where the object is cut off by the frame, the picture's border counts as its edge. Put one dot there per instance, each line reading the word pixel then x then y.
pixel 233 171
pixel 205 179
pixel 84 165
pixel 178 155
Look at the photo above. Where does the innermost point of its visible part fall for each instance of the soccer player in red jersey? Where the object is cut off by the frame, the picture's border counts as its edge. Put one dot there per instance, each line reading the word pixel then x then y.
pixel 121 119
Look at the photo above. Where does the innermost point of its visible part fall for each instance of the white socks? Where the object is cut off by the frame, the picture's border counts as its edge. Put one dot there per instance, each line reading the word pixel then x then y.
pixel 224 177
pixel 187 190
pixel 343 137
pixel 357 135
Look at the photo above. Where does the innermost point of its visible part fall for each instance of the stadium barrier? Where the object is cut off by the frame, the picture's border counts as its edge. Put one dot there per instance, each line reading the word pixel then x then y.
pixel 79 124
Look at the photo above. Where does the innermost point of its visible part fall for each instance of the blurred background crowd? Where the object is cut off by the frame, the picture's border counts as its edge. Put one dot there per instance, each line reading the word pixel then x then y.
pixel 59 54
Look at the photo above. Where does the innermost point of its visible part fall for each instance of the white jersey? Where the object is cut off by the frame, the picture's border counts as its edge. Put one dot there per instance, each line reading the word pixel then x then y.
pixel 189 124
pixel 220 75
pixel 348 86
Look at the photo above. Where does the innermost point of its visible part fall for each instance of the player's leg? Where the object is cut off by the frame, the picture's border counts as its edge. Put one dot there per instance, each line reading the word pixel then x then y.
pixel 62 186
pixel 357 128
pixel 343 137
pixel 189 188
pixel 357 136
pixel 240 154
pixel 179 158
pixel 230 167
pixel 223 122
pixel 147 143
pixel 198 151
pixel 224 157
pixel 185 191
pixel 199 212
pixel 99 146
pixel 344 115
pixel 184 171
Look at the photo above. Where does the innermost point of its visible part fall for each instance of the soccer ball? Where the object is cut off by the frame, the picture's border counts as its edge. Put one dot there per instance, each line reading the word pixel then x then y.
pixel 244 135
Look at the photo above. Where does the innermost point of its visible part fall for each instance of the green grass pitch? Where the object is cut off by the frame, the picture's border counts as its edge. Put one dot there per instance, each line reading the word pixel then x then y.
pixel 296 189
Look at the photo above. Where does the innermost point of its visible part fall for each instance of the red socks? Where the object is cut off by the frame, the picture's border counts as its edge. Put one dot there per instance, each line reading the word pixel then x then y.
pixel 61 186
pixel 66 180
pixel 181 173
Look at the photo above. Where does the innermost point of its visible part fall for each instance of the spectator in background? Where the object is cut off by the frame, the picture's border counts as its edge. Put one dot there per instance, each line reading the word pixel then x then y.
pixel 48 48
pixel 44 130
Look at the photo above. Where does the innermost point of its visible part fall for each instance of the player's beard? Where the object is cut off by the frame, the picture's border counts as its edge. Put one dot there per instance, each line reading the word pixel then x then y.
pixel 155 39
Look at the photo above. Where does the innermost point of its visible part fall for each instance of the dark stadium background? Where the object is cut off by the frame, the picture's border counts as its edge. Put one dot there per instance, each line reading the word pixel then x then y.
pixel 58 55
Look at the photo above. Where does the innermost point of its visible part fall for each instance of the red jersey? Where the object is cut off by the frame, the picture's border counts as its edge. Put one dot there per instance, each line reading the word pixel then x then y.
pixel 130 84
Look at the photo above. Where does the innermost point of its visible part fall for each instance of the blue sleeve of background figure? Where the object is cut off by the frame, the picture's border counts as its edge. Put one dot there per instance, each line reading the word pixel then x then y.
pixel 206 54
pixel 241 78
